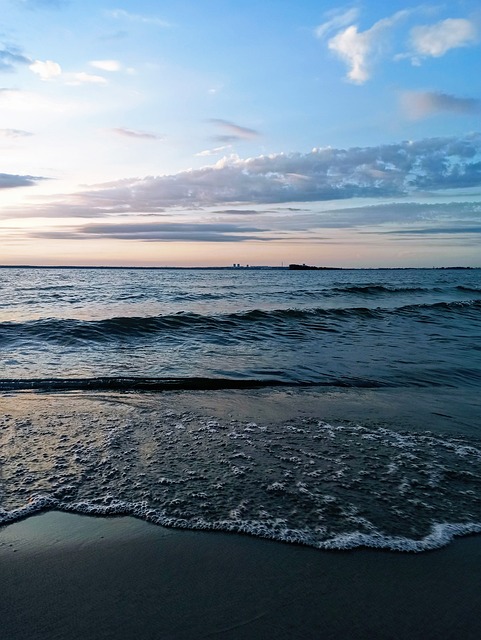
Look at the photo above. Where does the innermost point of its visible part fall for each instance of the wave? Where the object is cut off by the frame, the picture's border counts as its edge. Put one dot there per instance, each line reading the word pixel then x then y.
pixel 138 383
pixel 470 289
pixel 292 322
pixel 440 535
pixel 380 289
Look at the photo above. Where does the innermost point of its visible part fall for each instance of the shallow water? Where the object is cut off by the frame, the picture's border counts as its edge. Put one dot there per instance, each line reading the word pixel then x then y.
pixel 394 482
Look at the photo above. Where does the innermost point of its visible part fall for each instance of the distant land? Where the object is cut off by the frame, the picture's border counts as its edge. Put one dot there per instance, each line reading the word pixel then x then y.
pixel 239 267
pixel 305 267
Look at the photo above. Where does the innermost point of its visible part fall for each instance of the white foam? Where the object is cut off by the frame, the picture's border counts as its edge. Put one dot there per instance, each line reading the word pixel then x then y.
pixel 441 534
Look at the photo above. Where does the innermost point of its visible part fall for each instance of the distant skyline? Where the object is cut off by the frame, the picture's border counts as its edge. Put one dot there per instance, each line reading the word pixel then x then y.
pixel 219 132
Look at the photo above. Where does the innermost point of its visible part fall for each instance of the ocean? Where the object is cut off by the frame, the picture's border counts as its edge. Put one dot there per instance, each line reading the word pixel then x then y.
pixel 124 348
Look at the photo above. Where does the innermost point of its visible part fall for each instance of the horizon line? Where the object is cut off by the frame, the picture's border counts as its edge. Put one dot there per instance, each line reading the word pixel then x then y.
pixel 220 267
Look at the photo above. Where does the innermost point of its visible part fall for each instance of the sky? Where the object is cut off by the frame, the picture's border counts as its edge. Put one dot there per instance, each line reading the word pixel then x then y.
pixel 213 132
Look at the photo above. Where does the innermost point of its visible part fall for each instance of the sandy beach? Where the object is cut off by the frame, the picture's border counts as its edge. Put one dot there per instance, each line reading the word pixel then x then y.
pixel 69 576
pixel 65 575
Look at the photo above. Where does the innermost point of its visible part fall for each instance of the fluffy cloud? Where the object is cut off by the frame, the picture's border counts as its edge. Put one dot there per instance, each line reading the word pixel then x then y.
pixel 46 70
pixel 11 181
pixel 358 49
pixel 49 70
pixel 386 171
pixel 323 174
pixel 437 39
pixel 421 104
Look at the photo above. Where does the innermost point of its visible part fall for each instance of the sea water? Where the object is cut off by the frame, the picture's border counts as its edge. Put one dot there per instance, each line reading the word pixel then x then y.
pixel 145 332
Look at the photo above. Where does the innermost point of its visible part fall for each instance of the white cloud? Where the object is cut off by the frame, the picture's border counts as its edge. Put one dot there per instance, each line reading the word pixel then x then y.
pixel 387 171
pixel 75 79
pixel 437 39
pixel 358 49
pixel 46 70
pixel 49 70
pixel 422 104
pixel 106 65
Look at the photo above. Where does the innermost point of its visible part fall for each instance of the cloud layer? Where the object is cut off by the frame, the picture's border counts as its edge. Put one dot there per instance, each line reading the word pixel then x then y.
pixel 159 232
pixel 386 171
pixel 322 174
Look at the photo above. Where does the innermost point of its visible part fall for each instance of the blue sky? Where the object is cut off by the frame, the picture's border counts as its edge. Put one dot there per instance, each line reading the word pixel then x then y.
pixel 219 131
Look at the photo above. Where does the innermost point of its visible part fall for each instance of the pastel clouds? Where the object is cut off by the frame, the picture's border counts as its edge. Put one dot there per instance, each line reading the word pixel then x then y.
pixel 136 134
pixel 159 232
pixel 386 171
pixel 232 132
pixel 323 174
pixel 422 104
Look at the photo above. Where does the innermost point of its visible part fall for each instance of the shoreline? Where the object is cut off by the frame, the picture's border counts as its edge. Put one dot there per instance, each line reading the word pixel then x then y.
pixel 129 429
pixel 74 576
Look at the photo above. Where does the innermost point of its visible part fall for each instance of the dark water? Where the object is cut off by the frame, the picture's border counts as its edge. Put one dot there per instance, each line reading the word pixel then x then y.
pixel 326 485
pixel 359 328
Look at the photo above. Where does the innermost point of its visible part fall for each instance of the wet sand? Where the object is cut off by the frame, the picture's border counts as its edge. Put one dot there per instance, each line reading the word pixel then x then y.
pixel 68 576
pixel 77 577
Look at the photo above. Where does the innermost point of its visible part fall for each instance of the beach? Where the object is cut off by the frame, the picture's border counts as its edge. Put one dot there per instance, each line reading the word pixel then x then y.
pixel 68 576
pixel 252 454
